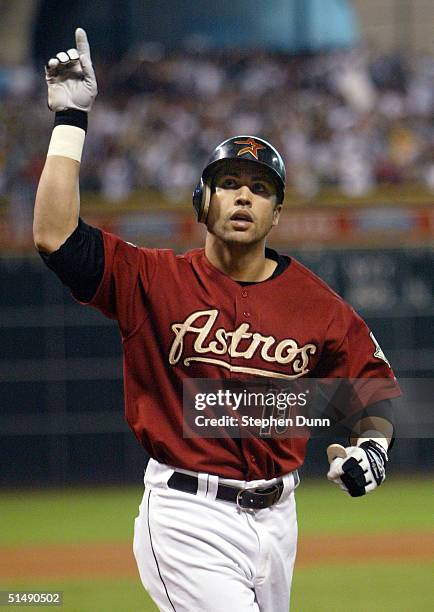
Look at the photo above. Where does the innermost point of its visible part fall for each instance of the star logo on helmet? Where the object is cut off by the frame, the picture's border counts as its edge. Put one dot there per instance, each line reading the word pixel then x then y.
pixel 252 147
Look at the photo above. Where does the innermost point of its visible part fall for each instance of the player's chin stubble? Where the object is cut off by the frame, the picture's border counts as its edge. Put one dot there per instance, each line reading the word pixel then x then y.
pixel 251 236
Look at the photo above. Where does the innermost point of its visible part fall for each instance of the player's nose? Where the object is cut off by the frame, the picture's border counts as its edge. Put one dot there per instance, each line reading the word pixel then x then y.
pixel 244 196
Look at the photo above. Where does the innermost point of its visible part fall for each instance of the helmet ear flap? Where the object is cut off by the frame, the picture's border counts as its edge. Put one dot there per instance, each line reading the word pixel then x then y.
pixel 201 200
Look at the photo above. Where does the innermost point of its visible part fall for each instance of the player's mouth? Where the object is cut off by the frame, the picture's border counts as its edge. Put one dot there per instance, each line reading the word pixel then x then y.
pixel 241 219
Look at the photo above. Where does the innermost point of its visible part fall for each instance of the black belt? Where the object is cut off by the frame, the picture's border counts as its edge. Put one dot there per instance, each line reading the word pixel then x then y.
pixel 255 499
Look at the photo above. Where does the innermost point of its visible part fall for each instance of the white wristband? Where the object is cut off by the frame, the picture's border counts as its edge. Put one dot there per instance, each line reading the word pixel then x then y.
pixel 373 434
pixel 67 141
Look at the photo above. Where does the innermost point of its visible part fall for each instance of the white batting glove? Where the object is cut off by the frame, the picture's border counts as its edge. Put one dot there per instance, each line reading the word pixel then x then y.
pixel 361 469
pixel 70 77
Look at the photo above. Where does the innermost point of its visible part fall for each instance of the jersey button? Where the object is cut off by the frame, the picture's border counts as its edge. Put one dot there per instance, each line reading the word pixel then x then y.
pixel 253 459
pixel 244 293
pixel 246 314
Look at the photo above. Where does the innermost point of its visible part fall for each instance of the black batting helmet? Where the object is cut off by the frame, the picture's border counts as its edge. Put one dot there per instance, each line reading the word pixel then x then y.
pixel 239 147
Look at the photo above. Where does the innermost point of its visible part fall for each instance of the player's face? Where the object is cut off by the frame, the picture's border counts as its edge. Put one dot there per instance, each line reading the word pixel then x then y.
pixel 243 206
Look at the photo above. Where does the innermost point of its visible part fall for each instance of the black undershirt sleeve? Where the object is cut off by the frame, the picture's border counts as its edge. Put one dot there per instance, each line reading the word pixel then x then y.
pixel 79 262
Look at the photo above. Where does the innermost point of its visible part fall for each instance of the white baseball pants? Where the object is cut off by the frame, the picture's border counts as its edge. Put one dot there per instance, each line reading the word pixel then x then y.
pixel 199 554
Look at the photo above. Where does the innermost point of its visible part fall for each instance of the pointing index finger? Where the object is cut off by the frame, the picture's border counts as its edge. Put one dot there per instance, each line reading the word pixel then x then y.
pixel 81 42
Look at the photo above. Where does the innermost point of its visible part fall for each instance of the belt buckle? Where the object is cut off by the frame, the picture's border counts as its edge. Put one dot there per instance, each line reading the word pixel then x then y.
pixel 239 498
pixel 257 491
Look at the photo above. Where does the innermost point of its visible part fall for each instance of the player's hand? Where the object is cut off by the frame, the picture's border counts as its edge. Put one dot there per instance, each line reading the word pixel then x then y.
pixel 360 470
pixel 70 77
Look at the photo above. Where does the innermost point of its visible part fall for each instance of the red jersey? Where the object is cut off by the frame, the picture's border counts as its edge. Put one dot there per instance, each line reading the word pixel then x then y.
pixel 181 318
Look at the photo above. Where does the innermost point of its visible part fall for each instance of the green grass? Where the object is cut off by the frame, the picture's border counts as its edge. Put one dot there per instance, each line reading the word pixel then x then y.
pixel 367 588
pixel 92 596
pixel 69 516
pixel 398 505
pixel 102 514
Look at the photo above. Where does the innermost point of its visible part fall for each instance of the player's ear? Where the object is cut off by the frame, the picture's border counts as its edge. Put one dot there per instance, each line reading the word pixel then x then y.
pixel 276 213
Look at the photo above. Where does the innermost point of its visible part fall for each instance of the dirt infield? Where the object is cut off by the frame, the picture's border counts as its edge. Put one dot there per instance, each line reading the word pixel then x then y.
pixel 116 560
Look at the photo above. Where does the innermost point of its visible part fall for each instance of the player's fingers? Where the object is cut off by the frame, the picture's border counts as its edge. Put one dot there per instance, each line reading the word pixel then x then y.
pixel 53 62
pixel 63 57
pixel 51 69
pixel 81 42
pixel 73 54
pixel 336 465
pixel 344 488
pixel 83 48
pixel 335 450
pixel 335 473
pixel 336 481
pixel 86 64
pixel 67 57
pixel 371 486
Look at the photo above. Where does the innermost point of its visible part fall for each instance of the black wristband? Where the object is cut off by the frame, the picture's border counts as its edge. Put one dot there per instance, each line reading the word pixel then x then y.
pixel 71 116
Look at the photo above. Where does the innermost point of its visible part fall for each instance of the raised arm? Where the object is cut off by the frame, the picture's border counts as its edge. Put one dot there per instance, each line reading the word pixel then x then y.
pixel 72 89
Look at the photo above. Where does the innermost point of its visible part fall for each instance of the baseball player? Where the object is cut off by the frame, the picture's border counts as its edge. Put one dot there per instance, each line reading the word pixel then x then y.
pixel 217 526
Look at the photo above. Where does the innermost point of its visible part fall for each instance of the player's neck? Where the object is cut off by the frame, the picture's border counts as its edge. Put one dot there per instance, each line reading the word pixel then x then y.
pixel 244 263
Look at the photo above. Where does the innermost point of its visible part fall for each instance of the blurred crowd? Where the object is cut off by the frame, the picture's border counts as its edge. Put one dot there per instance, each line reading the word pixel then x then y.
pixel 338 119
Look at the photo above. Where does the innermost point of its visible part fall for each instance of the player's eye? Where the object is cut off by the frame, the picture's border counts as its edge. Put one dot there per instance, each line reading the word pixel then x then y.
pixel 260 188
pixel 228 183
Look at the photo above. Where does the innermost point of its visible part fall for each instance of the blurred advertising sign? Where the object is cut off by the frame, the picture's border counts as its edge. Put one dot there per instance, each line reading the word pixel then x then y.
pixel 311 225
